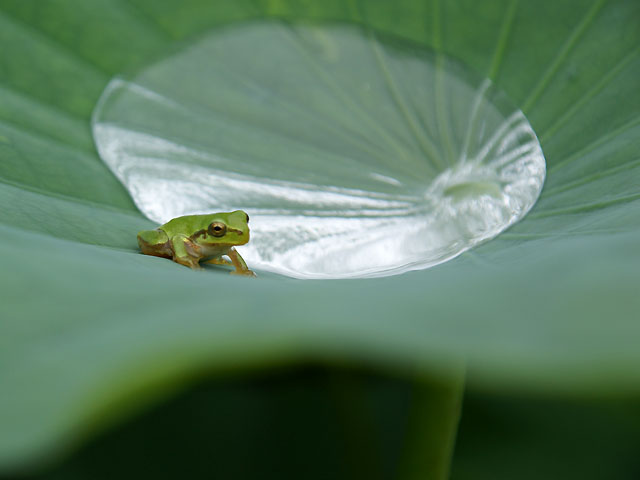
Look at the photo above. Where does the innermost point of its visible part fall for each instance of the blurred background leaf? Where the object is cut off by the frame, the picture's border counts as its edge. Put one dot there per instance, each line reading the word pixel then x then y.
pixel 91 332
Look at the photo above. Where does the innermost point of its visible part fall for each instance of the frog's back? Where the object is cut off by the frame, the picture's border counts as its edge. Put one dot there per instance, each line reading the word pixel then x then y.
pixel 186 225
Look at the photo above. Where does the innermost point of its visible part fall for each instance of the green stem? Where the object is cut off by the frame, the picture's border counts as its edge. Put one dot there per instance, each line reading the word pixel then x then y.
pixel 433 424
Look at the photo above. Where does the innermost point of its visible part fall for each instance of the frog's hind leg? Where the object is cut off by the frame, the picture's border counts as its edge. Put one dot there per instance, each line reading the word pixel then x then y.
pixel 185 252
pixel 155 242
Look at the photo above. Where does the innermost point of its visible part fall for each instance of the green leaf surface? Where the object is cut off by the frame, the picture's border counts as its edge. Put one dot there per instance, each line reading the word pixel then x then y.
pixel 98 330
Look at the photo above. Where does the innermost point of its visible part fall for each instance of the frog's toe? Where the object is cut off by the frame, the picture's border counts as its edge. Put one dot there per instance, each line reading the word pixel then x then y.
pixel 244 273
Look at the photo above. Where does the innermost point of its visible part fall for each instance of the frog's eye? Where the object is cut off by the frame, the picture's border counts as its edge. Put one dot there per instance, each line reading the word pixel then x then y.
pixel 247 215
pixel 217 229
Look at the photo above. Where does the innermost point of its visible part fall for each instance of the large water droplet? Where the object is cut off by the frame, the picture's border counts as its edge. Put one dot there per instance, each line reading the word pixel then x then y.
pixel 354 156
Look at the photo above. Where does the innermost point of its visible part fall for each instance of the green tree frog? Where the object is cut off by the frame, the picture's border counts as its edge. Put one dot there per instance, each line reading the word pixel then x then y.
pixel 189 239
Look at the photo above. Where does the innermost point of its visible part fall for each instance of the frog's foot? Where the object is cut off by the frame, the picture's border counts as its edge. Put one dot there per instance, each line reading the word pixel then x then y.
pixel 188 262
pixel 244 273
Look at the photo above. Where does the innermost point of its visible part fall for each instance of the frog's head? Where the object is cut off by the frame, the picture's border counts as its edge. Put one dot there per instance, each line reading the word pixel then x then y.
pixel 226 229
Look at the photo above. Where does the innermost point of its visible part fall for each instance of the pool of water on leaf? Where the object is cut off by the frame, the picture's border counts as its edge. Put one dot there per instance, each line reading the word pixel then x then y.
pixel 354 155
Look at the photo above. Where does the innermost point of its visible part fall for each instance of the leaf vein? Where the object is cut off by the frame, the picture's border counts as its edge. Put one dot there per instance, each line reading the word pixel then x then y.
pixel 134 11
pixel 345 97
pixel 590 178
pixel 11 124
pixel 597 88
pixel 425 143
pixel 85 62
pixel 593 145
pixel 505 31
pixel 570 43
pixel 586 207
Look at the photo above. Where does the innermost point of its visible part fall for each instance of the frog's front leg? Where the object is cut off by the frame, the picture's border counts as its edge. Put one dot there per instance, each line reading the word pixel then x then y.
pixel 185 252
pixel 239 263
